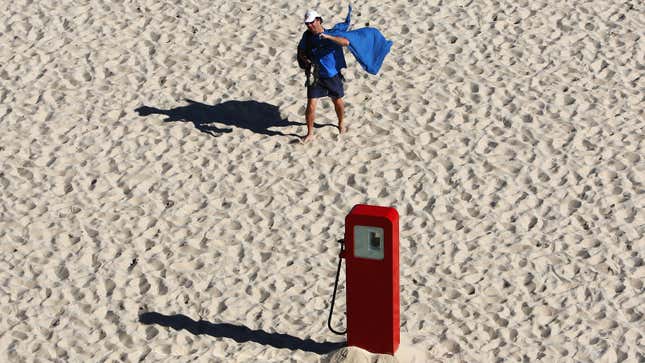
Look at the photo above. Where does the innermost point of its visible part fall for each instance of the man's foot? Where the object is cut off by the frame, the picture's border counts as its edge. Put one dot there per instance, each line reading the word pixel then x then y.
pixel 307 139
pixel 342 129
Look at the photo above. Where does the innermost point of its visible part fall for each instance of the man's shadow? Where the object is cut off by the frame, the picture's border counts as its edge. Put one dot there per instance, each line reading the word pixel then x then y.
pixel 258 117
pixel 238 333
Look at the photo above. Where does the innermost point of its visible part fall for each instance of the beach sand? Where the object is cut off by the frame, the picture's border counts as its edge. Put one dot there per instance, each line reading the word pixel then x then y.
pixel 155 203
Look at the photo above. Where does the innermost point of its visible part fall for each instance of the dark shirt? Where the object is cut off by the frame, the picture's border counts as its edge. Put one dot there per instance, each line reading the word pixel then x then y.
pixel 325 53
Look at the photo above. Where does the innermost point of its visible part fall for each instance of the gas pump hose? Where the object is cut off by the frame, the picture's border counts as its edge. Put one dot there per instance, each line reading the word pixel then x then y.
pixel 333 298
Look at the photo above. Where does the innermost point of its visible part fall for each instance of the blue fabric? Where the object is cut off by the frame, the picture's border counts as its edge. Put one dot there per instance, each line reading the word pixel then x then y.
pixel 368 45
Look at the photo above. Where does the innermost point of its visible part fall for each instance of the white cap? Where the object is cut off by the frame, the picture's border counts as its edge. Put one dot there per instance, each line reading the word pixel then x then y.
pixel 311 15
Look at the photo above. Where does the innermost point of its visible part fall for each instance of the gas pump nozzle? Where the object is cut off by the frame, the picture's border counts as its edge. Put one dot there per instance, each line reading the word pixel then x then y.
pixel 333 297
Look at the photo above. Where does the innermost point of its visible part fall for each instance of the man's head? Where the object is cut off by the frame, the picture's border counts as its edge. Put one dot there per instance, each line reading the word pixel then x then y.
pixel 313 21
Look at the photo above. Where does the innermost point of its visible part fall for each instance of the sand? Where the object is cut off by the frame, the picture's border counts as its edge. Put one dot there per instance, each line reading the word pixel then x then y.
pixel 155 203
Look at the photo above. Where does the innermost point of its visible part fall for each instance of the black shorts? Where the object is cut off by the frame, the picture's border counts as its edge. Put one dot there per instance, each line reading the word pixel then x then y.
pixel 332 87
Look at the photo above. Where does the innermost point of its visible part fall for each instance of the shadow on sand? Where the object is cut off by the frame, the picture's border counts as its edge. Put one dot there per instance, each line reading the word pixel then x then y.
pixel 258 117
pixel 238 333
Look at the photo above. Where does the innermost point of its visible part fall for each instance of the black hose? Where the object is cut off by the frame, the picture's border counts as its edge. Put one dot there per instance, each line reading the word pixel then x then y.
pixel 333 297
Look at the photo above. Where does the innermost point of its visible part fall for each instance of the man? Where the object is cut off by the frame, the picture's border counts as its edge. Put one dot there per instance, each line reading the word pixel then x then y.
pixel 322 52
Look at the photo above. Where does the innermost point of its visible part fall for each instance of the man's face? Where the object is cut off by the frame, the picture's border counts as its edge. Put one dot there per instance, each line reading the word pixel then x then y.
pixel 314 26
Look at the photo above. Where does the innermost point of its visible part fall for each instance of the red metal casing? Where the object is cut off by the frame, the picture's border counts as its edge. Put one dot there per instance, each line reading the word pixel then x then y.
pixel 373 316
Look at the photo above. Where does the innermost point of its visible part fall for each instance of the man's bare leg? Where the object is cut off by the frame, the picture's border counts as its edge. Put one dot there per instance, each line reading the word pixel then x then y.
pixel 339 106
pixel 310 115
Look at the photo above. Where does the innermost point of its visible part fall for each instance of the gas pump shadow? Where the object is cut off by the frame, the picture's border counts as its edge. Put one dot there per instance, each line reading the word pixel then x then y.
pixel 238 333
pixel 259 117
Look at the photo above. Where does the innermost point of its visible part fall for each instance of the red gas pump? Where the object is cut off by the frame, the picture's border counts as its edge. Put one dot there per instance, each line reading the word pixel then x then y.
pixel 372 268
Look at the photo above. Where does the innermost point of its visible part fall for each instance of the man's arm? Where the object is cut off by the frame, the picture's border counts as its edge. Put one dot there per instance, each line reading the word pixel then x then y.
pixel 338 40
